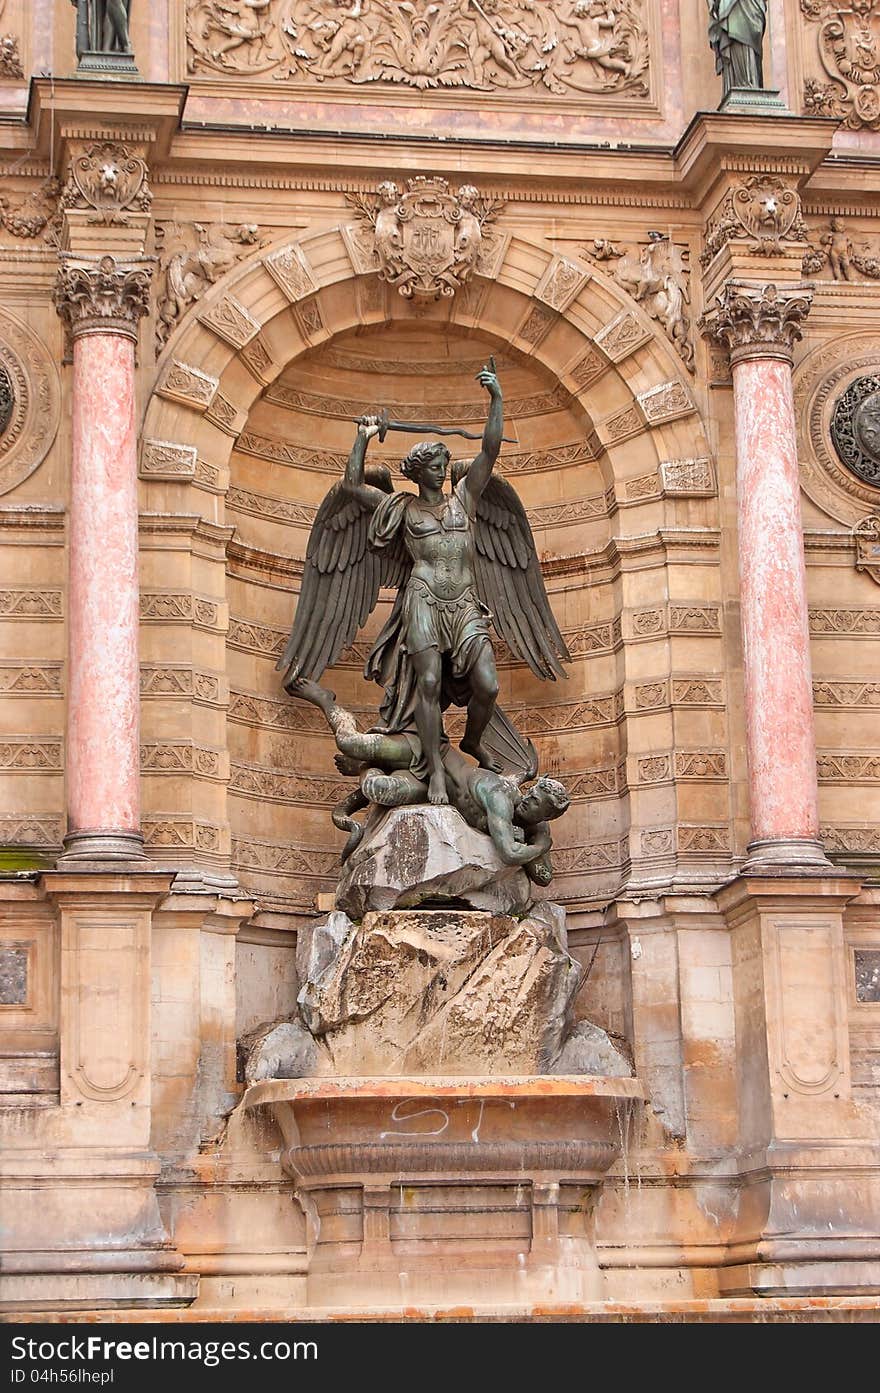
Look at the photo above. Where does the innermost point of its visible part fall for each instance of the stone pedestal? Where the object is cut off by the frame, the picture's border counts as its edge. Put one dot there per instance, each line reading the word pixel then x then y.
pixel 808 1163
pixel 449 1190
pixel 96 1238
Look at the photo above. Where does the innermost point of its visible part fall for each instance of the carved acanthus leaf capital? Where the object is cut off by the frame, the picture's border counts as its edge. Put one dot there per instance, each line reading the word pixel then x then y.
pixel 103 296
pixel 758 321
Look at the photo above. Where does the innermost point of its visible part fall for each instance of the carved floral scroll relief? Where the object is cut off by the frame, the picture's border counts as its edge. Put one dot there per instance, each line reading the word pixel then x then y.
pixel 569 47
pixel 427 241
pixel 845 59
pixel 657 276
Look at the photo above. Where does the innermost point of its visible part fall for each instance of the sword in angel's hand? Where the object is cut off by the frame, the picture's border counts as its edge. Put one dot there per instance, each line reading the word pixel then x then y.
pixel 385 424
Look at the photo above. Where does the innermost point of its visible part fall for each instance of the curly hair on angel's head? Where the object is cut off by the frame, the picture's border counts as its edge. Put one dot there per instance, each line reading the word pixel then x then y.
pixel 419 456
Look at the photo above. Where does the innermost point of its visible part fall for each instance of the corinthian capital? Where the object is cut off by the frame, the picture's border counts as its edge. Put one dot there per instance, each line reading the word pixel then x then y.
pixel 758 321
pixel 103 296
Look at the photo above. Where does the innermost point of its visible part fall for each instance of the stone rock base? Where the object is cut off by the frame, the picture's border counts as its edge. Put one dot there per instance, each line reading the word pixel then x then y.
pixel 425 992
pixel 413 856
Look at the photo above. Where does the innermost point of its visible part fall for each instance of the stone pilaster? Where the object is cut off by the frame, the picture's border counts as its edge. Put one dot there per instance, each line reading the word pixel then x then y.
pixel 101 301
pixel 759 325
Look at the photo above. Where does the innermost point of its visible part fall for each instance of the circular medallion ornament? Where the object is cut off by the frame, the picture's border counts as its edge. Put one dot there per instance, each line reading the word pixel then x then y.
pixel 855 429
pixel 837 407
pixel 30 401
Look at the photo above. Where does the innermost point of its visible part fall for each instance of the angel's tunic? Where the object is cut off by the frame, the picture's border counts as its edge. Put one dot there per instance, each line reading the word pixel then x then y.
pixel 438 613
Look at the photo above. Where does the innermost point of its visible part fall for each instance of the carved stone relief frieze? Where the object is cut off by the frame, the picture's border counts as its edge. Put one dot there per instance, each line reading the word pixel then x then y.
pixel 31 401
pixel 191 259
pixel 426 240
pixel 566 49
pixel 764 212
pixel 657 276
pixel 833 253
pixel 846 61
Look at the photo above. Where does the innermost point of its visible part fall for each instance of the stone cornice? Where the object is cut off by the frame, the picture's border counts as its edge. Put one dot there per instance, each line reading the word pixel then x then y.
pixel 103 295
pixel 758 321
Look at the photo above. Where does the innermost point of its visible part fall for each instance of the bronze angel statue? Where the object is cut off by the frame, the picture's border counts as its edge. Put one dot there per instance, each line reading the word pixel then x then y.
pixel 458 561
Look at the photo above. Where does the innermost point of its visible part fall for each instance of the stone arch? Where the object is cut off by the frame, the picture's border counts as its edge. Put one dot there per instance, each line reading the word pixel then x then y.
pixel 640 423
pixel 284 301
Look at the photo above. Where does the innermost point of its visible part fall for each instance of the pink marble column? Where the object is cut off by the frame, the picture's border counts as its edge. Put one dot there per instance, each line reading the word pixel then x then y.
pixel 759 325
pixel 102 303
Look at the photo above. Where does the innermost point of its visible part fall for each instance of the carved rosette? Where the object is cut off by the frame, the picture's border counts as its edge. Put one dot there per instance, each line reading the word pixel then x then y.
pixel 104 296
pixel 758 321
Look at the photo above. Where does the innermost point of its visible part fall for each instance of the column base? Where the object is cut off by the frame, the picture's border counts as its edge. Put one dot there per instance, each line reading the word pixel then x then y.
pixel 94 848
pixel 799 854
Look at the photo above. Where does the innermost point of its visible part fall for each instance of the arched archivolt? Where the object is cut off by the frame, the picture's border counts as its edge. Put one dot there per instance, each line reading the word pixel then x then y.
pixel 578 325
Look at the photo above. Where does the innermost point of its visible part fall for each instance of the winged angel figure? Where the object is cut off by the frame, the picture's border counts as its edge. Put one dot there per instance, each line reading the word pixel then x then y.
pixel 457 560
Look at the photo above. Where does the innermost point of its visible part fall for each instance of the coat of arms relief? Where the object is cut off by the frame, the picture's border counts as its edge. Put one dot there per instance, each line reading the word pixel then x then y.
pixel 571 47
pixel 427 241
pixel 848 52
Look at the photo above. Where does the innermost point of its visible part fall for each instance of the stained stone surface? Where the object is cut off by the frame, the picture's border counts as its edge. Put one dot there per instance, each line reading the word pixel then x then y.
pixel 590 1050
pixel 429 854
pixel 434 991
pixel 282 1050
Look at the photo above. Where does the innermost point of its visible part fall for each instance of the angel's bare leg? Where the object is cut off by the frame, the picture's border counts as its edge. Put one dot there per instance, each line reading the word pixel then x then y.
pixel 427 668
pixel 483 678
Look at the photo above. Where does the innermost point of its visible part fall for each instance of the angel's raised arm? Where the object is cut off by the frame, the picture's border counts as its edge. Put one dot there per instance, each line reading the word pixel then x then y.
pixel 353 480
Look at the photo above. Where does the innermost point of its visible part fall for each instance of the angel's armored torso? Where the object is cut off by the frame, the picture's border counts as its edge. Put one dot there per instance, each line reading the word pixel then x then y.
pixel 440 541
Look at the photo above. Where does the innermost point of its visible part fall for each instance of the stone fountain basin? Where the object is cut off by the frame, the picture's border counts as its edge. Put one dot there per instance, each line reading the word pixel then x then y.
pixel 567 1126
pixel 449 1188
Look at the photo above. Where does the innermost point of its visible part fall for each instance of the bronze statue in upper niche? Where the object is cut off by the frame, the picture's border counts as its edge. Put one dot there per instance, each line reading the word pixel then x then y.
pixel 458 561
pixel 736 33
pixel 102 26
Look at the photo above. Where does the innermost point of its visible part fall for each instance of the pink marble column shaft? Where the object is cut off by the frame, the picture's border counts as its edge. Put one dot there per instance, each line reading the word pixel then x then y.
pixel 103 765
pixel 776 640
pixel 102 301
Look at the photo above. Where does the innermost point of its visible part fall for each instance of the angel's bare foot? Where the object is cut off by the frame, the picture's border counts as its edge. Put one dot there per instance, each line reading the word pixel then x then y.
pixel 437 789
pixel 312 692
pixel 481 755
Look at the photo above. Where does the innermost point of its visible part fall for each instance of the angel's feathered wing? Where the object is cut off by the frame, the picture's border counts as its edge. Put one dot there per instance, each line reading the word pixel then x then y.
pixel 342 576
pixel 509 580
